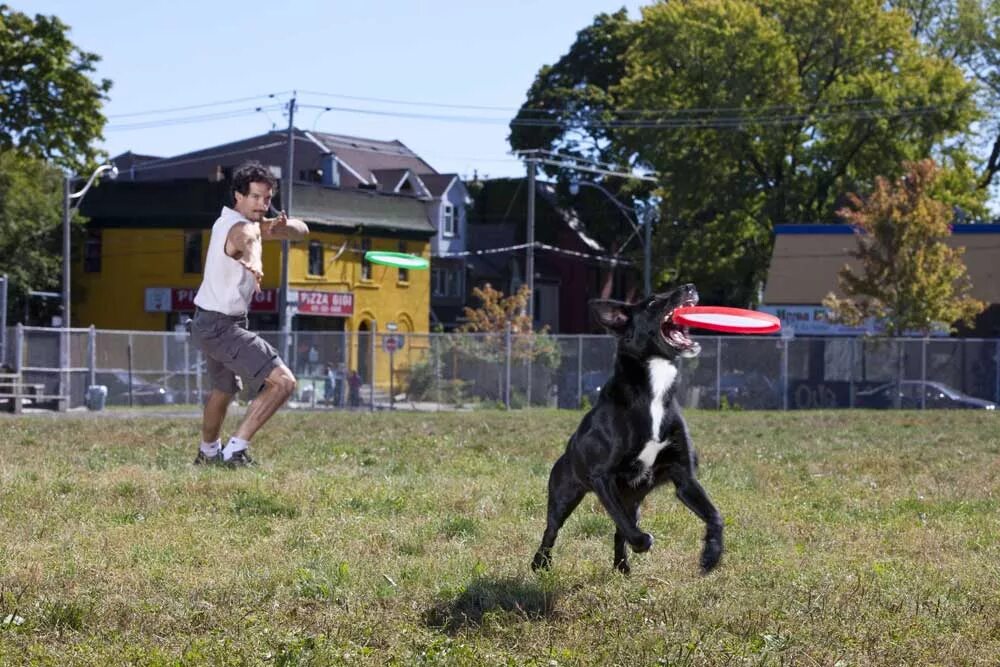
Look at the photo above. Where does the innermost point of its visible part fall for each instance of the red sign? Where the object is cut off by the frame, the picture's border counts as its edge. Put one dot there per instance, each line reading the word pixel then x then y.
pixel 265 301
pixel 334 304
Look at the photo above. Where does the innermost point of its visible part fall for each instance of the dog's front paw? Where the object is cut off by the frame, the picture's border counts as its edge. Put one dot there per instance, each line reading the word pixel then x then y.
pixel 711 555
pixel 642 543
pixel 541 561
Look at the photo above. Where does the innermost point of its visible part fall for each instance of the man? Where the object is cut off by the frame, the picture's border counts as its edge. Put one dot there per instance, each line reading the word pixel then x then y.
pixel 233 271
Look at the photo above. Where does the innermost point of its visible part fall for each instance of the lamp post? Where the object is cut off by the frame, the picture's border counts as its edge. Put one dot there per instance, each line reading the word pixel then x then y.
pixel 629 212
pixel 71 201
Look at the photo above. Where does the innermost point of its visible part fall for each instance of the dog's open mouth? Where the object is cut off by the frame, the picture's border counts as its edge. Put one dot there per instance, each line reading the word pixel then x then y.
pixel 676 335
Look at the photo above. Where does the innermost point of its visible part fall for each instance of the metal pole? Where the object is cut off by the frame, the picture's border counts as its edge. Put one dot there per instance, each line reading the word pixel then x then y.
pixel 287 183
pixel 784 374
pixel 923 374
pixel 529 266
pixel 718 372
pixel 66 255
pixel 506 393
pixel 646 252
pixel 92 361
pixel 371 367
pixel 130 370
pixel 64 380
pixel 3 320
pixel 579 371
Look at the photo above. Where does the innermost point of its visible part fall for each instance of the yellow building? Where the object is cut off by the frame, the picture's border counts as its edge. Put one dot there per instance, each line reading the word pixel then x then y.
pixel 141 262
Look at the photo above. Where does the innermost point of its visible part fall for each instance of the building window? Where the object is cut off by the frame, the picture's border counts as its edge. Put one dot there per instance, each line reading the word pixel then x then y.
pixel 437 282
pixel 192 251
pixel 446 283
pixel 92 251
pixel 366 266
pixel 453 284
pixel 448 220
pixel 316 258
pixel 404 274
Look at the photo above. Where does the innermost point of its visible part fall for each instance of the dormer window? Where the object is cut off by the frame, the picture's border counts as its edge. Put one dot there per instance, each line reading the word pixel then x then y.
pixel 448 220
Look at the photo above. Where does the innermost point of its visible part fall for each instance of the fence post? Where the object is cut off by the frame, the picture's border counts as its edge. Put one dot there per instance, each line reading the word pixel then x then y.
pixel 718 372
pixel 130 369
pixel 92 354
pixel 371 351
pixel 187 370
pixel 506 391
pixel 996 375
pixel 197 377
pixel 18 348
pixel 579 370
pixel 784 373
pixel 923 374
pixel 850 373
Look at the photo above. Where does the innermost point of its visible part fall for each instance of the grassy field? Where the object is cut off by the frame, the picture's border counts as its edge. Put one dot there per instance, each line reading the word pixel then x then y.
pixel 853 538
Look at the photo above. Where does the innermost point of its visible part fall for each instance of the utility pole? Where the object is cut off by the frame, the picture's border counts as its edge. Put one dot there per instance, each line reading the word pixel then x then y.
pixel 529 265
pixel 284 316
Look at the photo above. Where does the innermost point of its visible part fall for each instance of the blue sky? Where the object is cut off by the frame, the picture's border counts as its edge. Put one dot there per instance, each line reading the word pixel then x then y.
pixel 164 55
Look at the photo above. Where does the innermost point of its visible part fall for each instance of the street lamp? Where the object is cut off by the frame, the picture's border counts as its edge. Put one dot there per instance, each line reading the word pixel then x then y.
pixel 628 212
pixel 68 207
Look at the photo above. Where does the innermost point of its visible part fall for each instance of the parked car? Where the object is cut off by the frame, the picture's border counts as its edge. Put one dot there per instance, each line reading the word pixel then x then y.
pixel 750 390
pixel 143 392
pixel 915 394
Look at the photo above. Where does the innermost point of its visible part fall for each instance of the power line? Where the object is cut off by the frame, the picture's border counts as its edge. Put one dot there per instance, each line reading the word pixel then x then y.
pixel 153 112
pixel 182 120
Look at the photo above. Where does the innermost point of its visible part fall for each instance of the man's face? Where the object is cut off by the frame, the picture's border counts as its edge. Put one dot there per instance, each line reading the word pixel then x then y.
pixel 254 204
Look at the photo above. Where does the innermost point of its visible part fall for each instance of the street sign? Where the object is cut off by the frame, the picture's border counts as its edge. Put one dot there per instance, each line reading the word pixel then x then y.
pixel 393 342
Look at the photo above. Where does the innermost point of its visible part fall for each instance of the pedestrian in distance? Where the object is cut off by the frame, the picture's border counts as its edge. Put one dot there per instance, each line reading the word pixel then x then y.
pixel 233 274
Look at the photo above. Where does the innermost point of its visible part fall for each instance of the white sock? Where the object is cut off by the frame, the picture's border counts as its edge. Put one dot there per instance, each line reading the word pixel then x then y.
pixel 234 445
pixel 211 448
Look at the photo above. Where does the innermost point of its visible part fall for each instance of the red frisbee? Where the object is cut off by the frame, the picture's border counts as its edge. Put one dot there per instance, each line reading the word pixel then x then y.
pixel 728 320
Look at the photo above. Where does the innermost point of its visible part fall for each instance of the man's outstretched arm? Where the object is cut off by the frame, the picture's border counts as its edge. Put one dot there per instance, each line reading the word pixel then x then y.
pixel 283 227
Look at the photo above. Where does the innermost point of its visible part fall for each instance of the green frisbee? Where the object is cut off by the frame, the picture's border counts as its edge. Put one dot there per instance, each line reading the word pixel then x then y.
pixel 400 260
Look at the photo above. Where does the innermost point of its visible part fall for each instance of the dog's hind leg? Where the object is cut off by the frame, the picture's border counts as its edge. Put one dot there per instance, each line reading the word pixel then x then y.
pixel 691 493
pixel 565 493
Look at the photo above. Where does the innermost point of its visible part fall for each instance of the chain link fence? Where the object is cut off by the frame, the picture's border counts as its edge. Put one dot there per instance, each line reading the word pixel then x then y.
pixel 391 370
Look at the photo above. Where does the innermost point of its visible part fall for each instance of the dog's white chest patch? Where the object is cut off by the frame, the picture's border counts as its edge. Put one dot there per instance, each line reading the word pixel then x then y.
pixel 662 375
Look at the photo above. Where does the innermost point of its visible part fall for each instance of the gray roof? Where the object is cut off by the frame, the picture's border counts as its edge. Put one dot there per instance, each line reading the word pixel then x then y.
pixel 437 183
pixel 368 155
pixel 353 208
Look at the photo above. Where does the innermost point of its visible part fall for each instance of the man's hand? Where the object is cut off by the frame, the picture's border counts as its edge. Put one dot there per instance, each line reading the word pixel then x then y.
pixel 257 271
pixel 283 227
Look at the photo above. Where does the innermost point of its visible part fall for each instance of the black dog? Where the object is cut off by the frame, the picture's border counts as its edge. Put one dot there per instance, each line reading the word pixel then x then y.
pixel 634 439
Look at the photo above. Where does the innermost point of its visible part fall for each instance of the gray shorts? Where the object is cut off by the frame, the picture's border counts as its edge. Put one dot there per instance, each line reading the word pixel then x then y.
pixel 232 352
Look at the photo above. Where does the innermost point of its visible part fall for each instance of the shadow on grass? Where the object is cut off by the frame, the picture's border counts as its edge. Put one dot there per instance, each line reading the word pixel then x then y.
pixel 509 600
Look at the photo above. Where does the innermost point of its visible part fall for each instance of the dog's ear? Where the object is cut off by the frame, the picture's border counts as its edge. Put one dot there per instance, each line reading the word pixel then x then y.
pixel 612 314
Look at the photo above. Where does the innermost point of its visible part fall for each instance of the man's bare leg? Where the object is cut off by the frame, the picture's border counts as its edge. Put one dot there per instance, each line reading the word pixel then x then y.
pixel 215 413
pixel 279 386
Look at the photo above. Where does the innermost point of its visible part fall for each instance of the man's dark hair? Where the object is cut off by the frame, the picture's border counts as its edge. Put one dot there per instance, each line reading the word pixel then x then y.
pixel 252 172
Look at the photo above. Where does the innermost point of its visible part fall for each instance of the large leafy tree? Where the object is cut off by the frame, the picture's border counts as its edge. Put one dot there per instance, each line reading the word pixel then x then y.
pixel 908 277
pixel 804 100
pixel 30 223
pixel 761 112
pixel 49 106
pixel 50 117
pixel 968 32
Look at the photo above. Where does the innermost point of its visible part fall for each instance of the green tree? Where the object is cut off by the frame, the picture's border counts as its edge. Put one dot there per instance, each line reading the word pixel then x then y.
pixel 968 33
pixel 30 225
pixel 909 278
pixel 756 113
pixel 804 100
pixel 49 106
